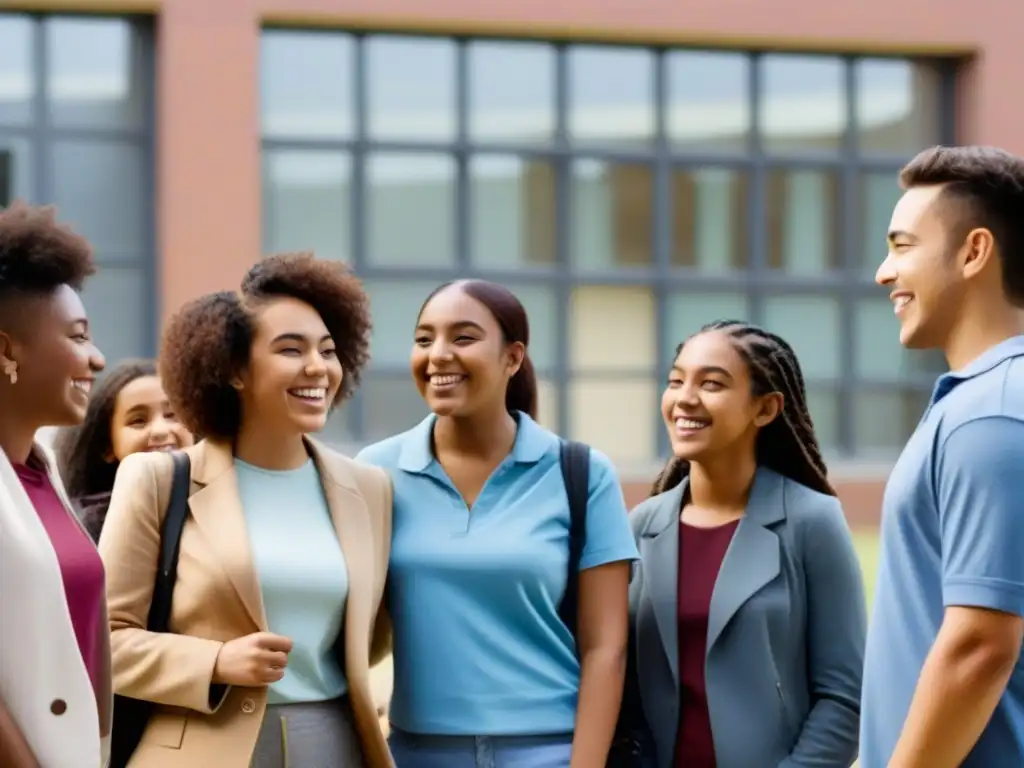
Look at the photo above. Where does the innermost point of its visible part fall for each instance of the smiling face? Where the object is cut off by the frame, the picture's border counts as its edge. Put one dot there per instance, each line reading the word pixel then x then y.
pixel 920 269
pixel 460 361
pixel 708 405
pixel 143 420
pixel 57 361
pixel 294 373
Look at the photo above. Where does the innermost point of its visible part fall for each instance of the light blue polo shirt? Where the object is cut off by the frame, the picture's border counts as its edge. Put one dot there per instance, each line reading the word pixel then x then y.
pixel 952 535
pixel 474 595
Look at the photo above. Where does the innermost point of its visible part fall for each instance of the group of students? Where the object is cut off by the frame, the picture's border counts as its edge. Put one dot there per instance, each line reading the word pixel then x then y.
pixel 533 622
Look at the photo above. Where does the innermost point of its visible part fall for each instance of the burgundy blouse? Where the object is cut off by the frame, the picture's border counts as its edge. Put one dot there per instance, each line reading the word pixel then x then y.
pixel 701 551
pixel 80 564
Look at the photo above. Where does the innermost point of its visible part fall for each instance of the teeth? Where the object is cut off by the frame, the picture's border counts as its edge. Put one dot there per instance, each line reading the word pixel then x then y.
pixel 690 424
pixel 312 393
pixel 445 380
pixel 82 384
pixel 901 302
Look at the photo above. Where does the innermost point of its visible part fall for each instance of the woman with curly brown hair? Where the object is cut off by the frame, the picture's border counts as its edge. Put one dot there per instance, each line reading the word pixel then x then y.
pixel 284 554
pixel 128 413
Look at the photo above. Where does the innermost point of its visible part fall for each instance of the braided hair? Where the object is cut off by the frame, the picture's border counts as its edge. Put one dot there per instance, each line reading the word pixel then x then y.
pixel 788 444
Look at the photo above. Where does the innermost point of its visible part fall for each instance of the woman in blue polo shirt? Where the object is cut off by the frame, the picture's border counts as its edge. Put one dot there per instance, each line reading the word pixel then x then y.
pixel 486 673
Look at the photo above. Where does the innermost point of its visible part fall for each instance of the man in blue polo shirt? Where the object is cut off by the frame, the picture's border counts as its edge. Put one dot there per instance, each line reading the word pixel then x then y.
pixel 942 683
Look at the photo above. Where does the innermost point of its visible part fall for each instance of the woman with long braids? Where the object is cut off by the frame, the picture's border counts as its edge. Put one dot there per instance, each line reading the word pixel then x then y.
pixel 747 612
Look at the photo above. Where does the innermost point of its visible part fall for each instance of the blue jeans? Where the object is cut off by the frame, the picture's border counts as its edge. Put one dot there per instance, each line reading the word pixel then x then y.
pixel 415 751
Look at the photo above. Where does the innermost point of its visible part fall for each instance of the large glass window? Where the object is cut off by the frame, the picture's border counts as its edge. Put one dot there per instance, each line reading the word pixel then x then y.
pixel 628 195
pixel 76 96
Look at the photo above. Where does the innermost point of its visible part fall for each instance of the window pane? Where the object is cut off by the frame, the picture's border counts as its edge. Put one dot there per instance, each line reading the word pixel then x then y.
pixel 803 221
pixel 99 189
pixel 411 88
pixel 391 404
pixel 626 432
pixel 395 305
pixel 612 328
pixel 709 100
pixel 824 405
pixel 612 214
pixel 689 312
pixel 898 106
pixel 541 306
pixel 512 202
pixel 511 91
pixel 878 352
pixel 411 207
pixel 96 74
pixel 883 421
pixel 17 79
pixel 15 171
pixel 306 84
pixel 338 431
pixel 803 106
pixel 709 219
pixel 879 193
pixel 611 95
pixel 547 405
pixel 119 303
pixel 811 325
pixel 306 202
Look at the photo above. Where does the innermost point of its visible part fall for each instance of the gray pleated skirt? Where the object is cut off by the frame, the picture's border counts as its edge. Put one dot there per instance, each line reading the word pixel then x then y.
pixel 320 735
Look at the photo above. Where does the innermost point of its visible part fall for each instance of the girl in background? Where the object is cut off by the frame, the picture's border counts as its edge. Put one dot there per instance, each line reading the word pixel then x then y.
pixel 128 413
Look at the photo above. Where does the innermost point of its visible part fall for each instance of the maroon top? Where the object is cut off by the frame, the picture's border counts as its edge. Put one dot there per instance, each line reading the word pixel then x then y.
pixel 701 551
pixel 80 564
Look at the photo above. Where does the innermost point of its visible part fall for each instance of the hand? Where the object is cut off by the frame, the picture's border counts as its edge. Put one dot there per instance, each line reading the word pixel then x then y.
pixel 254 660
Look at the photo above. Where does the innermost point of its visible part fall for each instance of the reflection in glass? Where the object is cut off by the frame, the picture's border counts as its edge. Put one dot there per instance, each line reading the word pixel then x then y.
pixel 306 202
pixel 95 73
pixel 15 173
pixel 511 91
pixel 410 88
pixel 611 95
pixel 811 325
pixel 803 106
pixel 395 305
pixel 824 406
pixel 612 328
pixel 803 221
pixel 625 431
pixel 513 211
pixel 883 420
pixel 306 84
pixel 411 201
pixel 708 100
pixel 897 106
pixel 709 219
pixel 688 312
pixel 879 193
pixel 119 304
pixel 98 188
pixel 612 214
pixel 17 80
pixel 878 353
pixel 391 404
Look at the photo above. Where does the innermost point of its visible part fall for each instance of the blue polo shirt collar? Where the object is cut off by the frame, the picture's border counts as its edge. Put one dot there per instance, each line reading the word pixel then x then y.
pixel 532 442
pixel 1004 350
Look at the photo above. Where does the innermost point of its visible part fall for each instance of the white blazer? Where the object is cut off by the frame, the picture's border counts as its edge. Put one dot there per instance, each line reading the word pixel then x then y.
pixel 43 679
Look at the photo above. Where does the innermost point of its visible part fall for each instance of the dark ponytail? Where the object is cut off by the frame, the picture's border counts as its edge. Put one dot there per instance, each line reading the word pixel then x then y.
pixel 522 390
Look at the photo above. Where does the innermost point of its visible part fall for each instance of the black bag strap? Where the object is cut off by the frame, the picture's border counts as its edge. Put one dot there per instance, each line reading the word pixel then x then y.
pixel 575 462
pixel 170 543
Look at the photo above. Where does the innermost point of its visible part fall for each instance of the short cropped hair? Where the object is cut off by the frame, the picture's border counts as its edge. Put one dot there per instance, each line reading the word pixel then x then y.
pixel 985 186
pixel 38 255
pixel 209 341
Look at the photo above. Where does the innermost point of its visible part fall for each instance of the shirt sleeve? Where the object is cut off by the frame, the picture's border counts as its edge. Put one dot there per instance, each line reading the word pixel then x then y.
pixel 609 537
pixel 981 514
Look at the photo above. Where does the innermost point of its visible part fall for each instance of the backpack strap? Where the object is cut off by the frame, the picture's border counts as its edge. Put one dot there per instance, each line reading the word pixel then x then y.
pixel 575 462
pixel 170 543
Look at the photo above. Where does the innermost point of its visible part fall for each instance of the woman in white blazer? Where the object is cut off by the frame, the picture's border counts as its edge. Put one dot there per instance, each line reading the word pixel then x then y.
pixel 55 691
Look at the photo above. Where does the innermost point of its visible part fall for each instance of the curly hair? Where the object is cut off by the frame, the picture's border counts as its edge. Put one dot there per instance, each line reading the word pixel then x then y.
pixel 38 254
pixel 210 339
pixel 788 445
pixel 82 450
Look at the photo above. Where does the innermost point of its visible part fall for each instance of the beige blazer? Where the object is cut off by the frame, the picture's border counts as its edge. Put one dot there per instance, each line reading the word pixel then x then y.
pixel 44 684
pixel 217 598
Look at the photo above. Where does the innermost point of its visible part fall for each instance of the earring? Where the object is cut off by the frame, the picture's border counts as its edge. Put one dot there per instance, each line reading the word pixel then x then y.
pixel 11 371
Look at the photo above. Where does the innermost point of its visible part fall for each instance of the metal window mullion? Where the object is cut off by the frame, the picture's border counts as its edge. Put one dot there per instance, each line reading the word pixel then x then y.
pixel 153 260
pixel 42 152
pixel 757 209
pixel 563 275
pixel 462 204
pixel 850 248
pixel 357 205
pixel 663 236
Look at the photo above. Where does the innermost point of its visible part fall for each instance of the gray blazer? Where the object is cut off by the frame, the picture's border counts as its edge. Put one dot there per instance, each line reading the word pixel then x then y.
pixel 786 631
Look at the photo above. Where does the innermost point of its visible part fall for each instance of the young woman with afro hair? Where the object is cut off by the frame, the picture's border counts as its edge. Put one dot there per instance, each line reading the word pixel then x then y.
pixel 55 688
pixel 284 554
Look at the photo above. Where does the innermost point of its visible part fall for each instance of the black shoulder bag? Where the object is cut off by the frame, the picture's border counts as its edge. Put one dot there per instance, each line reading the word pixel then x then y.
pixel 132 715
